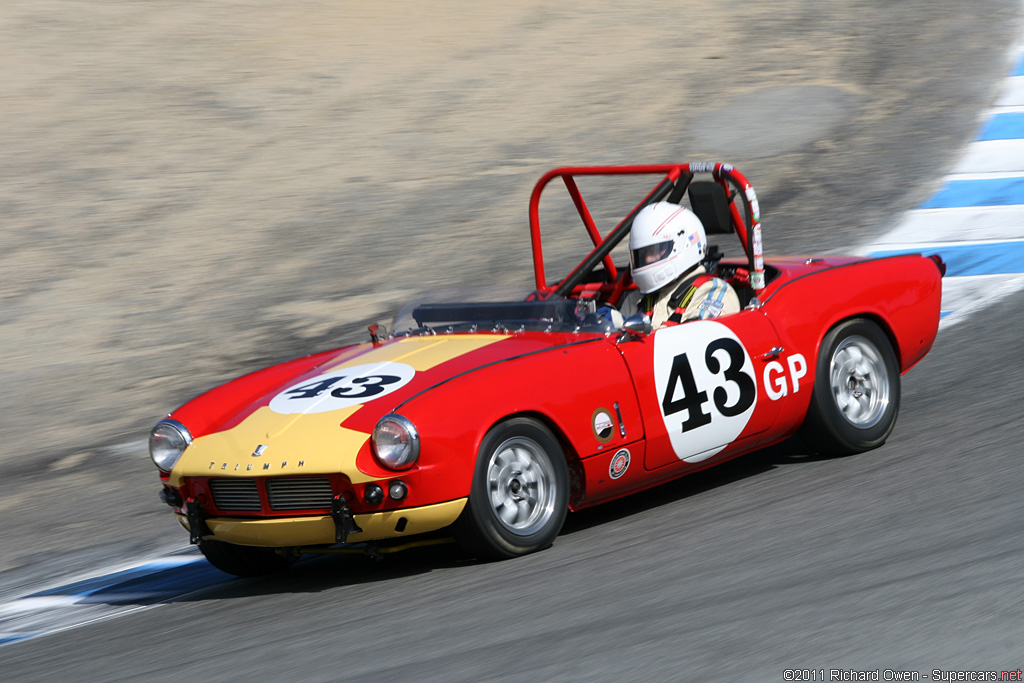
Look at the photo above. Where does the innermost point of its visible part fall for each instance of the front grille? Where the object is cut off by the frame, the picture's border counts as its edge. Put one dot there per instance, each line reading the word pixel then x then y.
pixel 235 494
pixel 299 493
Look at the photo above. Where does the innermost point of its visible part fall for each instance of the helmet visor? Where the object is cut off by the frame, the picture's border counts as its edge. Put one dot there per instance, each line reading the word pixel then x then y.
pixel 652 253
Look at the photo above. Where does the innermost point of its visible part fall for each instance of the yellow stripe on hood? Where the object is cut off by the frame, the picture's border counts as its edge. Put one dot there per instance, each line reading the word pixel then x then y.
pixel 422 353
pixel 321 445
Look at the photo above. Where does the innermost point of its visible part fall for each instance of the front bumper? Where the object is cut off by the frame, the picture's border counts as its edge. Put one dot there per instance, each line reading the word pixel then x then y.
pixel 284 532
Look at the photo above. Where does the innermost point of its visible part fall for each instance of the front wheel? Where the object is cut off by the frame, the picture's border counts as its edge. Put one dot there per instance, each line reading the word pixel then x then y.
pixel 856 393
pixel 520 492
pixel 244 560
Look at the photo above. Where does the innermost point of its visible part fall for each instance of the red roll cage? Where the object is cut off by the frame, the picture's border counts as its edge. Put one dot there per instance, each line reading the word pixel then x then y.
pixel 674 184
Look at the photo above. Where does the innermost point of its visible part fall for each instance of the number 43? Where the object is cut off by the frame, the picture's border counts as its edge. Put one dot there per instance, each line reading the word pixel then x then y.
pixel 693 399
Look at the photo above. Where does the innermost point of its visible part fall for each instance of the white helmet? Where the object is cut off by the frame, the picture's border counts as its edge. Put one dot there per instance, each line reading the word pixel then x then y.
pixel 666 240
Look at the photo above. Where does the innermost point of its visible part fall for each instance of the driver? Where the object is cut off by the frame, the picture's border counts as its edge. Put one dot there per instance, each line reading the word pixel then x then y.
pixel 666 245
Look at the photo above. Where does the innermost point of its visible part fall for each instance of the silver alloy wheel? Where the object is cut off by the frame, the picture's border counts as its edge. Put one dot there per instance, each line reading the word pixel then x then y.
pixel 521 485
pixel 859 381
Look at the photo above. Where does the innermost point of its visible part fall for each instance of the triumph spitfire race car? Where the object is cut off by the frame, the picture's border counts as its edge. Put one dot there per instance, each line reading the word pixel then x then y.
pixel 486 421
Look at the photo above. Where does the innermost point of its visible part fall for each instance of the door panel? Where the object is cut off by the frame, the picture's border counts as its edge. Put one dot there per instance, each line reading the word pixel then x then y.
pixel 701 385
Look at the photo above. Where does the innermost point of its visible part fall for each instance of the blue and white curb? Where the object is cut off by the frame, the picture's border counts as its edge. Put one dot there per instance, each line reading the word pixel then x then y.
pixel 975 221
pixel 107 595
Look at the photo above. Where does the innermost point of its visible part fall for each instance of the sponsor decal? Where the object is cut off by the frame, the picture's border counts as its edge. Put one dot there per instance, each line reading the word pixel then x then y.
pixel 343 388
pixel 758 248
pixel 603 425
pixel 715 307
pixel 619 463
pixel 709 167
pixel 755 206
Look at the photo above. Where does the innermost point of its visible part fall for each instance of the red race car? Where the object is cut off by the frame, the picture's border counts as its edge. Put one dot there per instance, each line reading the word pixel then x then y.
pixel 486 421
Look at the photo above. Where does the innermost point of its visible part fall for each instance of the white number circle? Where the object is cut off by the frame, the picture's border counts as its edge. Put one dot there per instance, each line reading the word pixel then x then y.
pixel 706 387
pixel 342 388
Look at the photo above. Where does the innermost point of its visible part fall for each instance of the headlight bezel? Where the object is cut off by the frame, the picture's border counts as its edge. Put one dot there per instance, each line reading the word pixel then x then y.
pixel 163 454
pixel 382 443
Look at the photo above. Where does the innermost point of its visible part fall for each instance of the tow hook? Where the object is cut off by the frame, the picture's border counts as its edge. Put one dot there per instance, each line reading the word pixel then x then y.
pixel 344 522
pixel 196 516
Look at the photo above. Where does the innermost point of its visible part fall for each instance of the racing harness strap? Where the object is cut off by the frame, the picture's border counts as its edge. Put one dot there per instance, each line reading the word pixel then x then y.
pixel 680 298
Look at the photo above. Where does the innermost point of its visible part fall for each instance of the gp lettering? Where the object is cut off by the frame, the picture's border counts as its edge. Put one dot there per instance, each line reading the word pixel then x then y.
pixel 775 384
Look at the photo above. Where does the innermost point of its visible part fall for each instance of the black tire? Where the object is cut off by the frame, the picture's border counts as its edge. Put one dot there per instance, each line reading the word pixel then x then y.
pixel 856 395
pixel 244 560
pixel 520 492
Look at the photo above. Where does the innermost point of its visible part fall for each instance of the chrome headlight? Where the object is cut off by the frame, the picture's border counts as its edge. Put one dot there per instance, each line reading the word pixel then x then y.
pixel 167 442
pixel 396 444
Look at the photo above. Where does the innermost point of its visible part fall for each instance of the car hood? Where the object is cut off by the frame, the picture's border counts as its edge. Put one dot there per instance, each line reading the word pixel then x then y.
pixel 317 419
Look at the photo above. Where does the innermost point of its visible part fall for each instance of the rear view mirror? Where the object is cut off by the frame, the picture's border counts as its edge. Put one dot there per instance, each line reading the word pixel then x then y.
pixel 635 326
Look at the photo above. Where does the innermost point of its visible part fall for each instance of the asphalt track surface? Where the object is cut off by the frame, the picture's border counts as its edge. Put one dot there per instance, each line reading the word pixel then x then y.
pixel 909 557
pixel 905 558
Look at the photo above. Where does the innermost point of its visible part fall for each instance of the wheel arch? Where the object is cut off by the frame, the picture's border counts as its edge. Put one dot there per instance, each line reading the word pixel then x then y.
pixel 577 477
pixel 811 347
pixel 872 317
pixel 900 294
pixel 823 428
pixel 560 389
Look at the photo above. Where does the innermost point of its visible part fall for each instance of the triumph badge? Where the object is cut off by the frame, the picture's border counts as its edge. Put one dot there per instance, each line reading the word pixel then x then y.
pixel 260 450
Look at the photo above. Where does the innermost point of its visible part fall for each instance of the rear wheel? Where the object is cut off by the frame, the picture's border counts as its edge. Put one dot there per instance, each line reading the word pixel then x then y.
pixel 520 493
pixel 244 560
pixel 856 393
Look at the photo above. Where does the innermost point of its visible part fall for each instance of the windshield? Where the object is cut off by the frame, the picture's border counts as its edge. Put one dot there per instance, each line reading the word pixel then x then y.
pixel 429 315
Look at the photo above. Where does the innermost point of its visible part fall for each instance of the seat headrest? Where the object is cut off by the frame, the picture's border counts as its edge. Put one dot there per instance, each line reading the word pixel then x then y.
pixel 709 202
